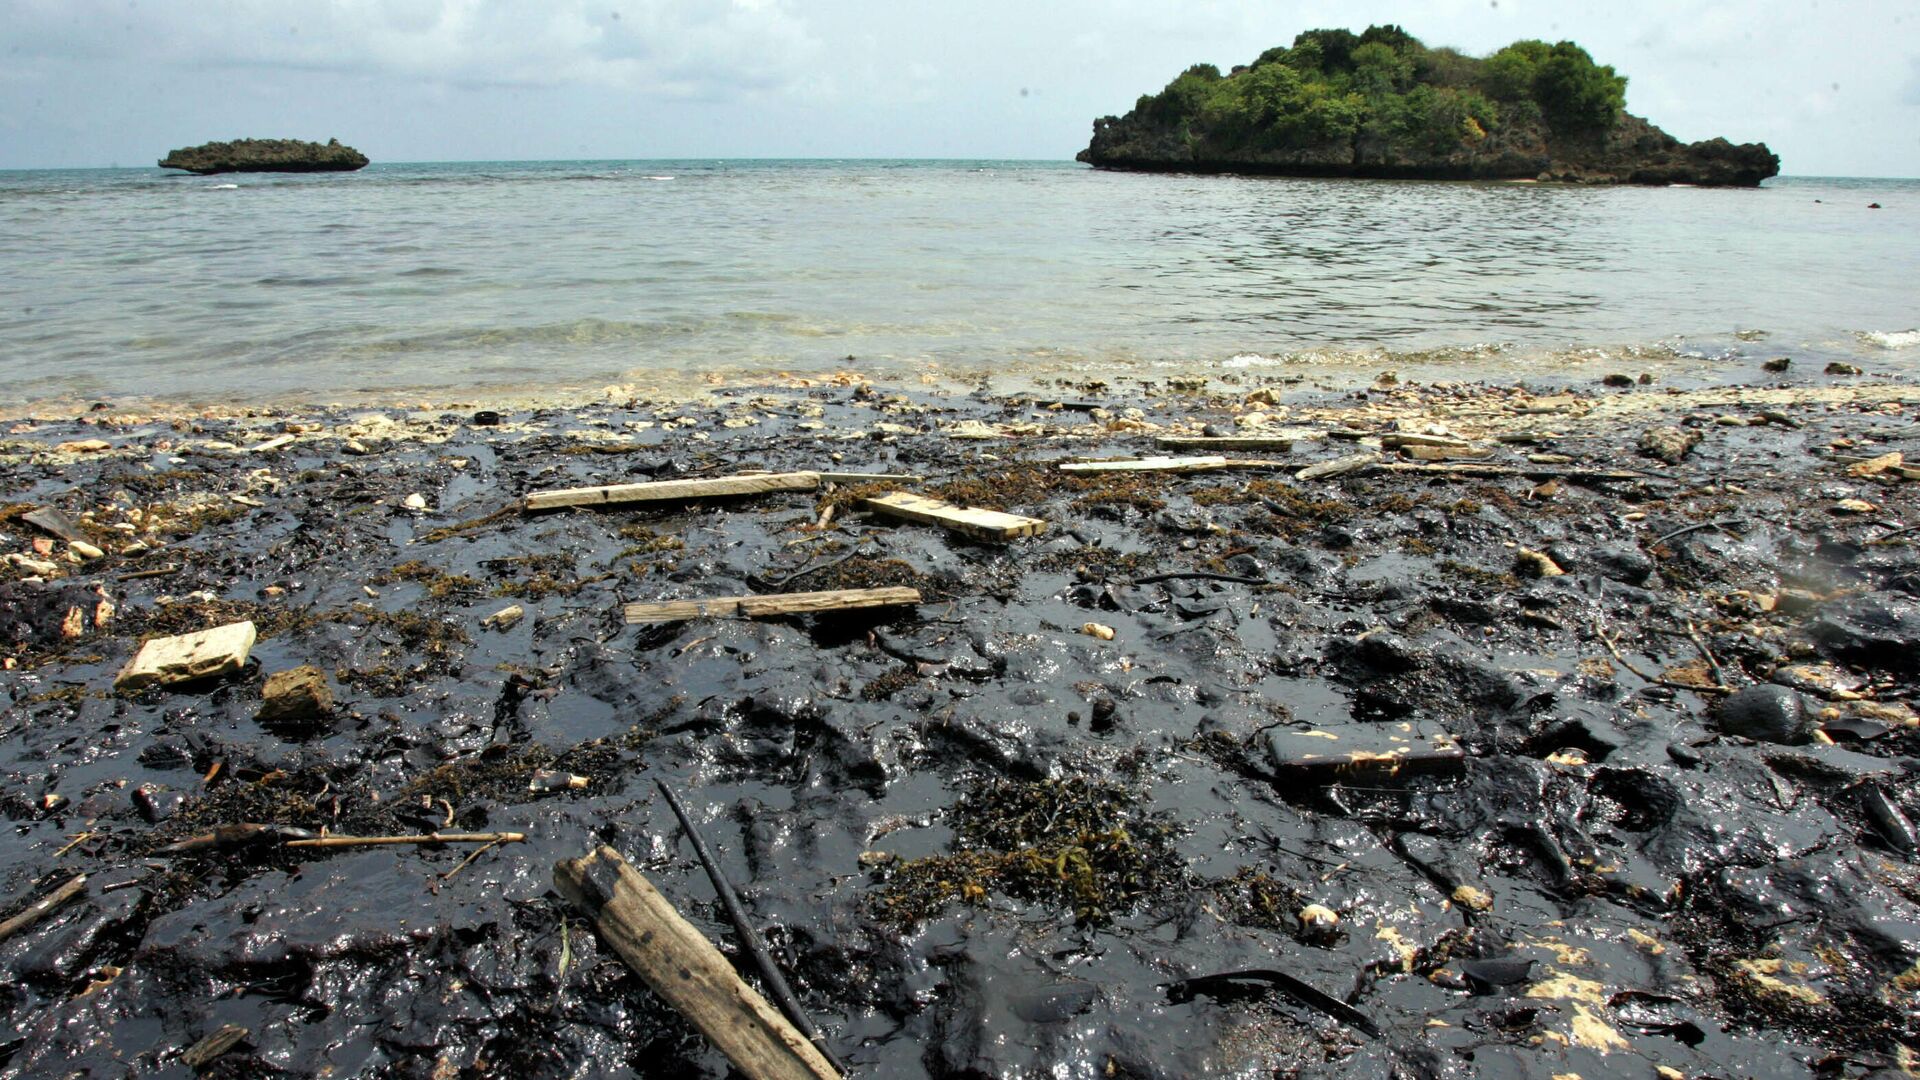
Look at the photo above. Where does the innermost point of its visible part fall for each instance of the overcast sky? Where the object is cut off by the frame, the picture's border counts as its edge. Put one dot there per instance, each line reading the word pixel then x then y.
pixel 1833 86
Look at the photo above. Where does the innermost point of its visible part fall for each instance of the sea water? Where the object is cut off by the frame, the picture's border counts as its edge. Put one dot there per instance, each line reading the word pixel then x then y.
pixel 488 279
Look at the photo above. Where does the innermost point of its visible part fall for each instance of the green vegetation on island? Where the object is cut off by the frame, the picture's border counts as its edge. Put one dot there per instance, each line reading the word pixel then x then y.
pixel 1380 103
pixel 266 155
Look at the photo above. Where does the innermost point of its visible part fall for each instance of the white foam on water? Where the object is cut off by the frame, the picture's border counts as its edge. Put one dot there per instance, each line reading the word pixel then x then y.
pixel 1247 360
pixel 1891 339
pixel 656 178
pixel 224 187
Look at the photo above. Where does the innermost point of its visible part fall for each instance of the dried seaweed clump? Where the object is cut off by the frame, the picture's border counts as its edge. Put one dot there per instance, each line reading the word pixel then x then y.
pixel 1075 844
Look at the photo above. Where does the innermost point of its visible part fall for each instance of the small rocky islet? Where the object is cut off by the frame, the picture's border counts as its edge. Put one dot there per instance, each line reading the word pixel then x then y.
pixel 1549 747
pixel 1381 104
pixel 265 155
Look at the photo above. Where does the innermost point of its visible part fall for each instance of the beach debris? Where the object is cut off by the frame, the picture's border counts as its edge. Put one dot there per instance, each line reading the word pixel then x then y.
pixel 677 490
pixel 1318 921
pixel 421 839
pixel 1153 464
pixel 1899 468
pixel 1669 444
pixel 1887 819
pixel 1421 452
pixel 415 502
pixel 685 969
pixel 770 973
pixel 355 447
pixel 295 696
pixel 85 550
pixel 1233 442
pixel 1232 984
pixel 753 607
pixel 202 1054
pixel 505 617
pixel 1767 713
pixel 1854 506
pixel 1339 466
pixel 1099 630
pixel 547 781
pixel 972 521
pixel 243 834
pixel 43 907
pixel 1839 368
pixel 1876 465
pixel 1530 563
pixel 1331 751
pixel 49 520
pixel 83 446
pixel 1777 365
pixel 272 444
pixel 31 565
pixel 155 803
pixel 486 418
pixel 222 650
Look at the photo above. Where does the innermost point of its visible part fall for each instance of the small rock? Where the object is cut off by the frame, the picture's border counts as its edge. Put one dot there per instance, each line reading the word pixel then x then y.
pixel 300 695
pixel 415 501
pixel 505 617
pixel 1730 420
pixel 1882 629
pixel 1875 465
pixel 545 781
pixel 1099 630
pixel 1838 368
pixel 219 651
pixel 1854 506
pixel 156 803
pixel 83 446
pixel 1530 563
pixel 1767 713
pixel 1472 899
pixel 85 550
pixel 355 447
pixel 38 567
pixel 1826 680
pixel 1624 563
pixel 1669 444
pixel 1617 379
pixel 486 418
pixel 1319 921
pixel 1777 365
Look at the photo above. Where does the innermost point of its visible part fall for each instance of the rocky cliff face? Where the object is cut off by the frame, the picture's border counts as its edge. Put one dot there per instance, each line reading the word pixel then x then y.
pixel 266 155
pixel 1635 152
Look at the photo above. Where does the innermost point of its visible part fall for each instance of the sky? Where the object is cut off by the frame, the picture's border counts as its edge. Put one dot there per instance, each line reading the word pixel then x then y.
pixel 1832 86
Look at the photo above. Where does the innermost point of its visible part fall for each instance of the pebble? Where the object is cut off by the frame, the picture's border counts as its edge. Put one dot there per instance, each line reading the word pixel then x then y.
pixel 85 550
pixel 1099 630
pixel 1536 564
pixel 355 447
pixel 505 617
pixel 416 501
pixel 1765 713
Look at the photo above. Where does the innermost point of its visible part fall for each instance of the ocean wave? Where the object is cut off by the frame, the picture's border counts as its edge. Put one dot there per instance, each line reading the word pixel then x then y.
pixel 1890 339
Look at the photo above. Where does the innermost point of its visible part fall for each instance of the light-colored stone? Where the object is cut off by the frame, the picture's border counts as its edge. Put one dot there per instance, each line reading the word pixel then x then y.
pixel 85 550
pixel 83 446
pixel 296 695
pixel 505 617
pixel 222 650
pixel 34 566
pixel 416 501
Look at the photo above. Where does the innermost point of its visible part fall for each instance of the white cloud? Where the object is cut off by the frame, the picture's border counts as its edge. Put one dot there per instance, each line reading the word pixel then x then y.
pixel 674 48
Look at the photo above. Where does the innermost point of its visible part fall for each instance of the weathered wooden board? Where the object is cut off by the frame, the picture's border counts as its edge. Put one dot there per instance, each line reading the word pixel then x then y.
pixel 985 524
pixel 1227 442
pixel 685 969
pixel 1399 439
pixel 1338 466
pixel 1152 464
pixel 749 607
pixel 53 521
pixel 1426 452
pixel 219 651
pixel 658 490
pixel 1362 748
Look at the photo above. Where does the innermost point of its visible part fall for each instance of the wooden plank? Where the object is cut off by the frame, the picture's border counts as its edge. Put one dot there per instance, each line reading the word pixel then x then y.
pixel 1338 466
pixel 684 968
pixel 657 490
pixel 53 521
pixel 1152 464
pixel 1905 471
pixel 1229 442
pixel 1425 452
pixel 219 651
pixel 1330 752
pixel 750 607
pixel 46 905
pixel 985 524
pixel 864 477
pixel 1399 439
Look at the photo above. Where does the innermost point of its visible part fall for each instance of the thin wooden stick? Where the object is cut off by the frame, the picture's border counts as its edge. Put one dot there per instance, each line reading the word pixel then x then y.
pixel 1706 653
pixel 1655 679
pixel 749 937
pixel 429 838
pixel 44 906
pixel 477 852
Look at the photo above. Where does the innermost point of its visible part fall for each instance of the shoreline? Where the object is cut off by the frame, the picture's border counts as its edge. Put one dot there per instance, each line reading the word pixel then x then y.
pixel 976 814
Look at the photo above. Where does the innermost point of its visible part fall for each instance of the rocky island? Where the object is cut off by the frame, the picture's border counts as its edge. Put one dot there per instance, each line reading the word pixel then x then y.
pixel 266 155
pixel 1381 104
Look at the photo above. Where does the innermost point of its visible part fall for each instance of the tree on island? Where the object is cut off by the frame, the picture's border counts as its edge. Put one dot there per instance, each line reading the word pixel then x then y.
pixel 1382 103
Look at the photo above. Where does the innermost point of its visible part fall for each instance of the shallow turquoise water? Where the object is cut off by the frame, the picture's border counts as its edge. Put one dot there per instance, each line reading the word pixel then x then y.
pixel 477 277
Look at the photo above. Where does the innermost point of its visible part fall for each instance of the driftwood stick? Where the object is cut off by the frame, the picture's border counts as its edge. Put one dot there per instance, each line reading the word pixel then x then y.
pixel 428 838
pixel 44 906
pixel 1721 524
pixel 1656 680
pixel 686 970
pixel 1201 575
pixel 775 982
